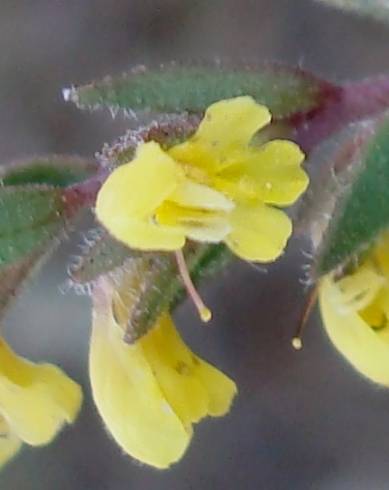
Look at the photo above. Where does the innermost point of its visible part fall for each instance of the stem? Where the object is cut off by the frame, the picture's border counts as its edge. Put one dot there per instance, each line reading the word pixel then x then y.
pixel 84 193
pixel 355 101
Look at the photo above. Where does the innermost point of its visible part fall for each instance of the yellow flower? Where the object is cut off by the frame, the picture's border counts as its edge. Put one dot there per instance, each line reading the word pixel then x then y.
pixel 151 392
pixel 214 187
pixel 35 402
pixel 355 312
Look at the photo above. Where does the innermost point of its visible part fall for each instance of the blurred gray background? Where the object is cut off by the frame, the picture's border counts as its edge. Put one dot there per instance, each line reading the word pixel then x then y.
pixel 302 420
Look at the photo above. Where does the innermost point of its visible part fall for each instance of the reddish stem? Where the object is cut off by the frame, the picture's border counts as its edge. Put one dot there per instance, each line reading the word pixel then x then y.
pixel 355 101
pixel 84 193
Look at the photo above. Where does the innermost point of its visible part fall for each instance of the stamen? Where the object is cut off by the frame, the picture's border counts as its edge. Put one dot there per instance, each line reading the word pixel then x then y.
pixel 204 312
pixel 297 341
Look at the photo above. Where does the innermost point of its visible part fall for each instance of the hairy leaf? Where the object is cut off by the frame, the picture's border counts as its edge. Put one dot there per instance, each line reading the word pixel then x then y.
pixel 361 208
pixel 102 254
pixel 173 89
pixel 377 9
pixel 35 213
pixel 55 170
pixel 163 289
pixel 171 131
pixel 29 217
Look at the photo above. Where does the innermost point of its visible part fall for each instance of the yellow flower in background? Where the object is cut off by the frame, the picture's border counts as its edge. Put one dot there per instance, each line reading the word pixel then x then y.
pixel 150 393
pixel 355 311
pixel 214 187
pixel 35 402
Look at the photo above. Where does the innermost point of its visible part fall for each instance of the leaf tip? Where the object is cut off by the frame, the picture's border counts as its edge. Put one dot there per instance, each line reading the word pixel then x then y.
pixel 69 94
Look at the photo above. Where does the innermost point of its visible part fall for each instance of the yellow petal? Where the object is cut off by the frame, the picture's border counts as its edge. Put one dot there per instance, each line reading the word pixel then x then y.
pixel 198 224
pixel 52 398
pixel 271 174
pixel 172 363
pixel 160 387
pixel 360 289
pixel 130 400
pixel 192 195
pixel 383 300
pixel 373 314
pixel 148 235
pixel 137 188
pixel 198 161
pixel 381 254
pixel 228 125
pixel 133 191
pixel 221 389
pixel 209 232
pixel 193 387
pixel 352 336
pixel 10 444
pixel 259 232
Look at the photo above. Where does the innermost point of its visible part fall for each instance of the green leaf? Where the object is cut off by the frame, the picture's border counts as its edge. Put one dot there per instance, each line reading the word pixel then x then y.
pixel 104 254
pixel 55 170
pixel 361 210
pixel 31 225
pixel 34 215
pixel 377 9
pixel 162 288
pixel 173 89
pixel 29 217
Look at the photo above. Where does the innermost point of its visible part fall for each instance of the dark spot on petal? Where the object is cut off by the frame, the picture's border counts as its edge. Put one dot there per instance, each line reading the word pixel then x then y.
pixel 182 368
